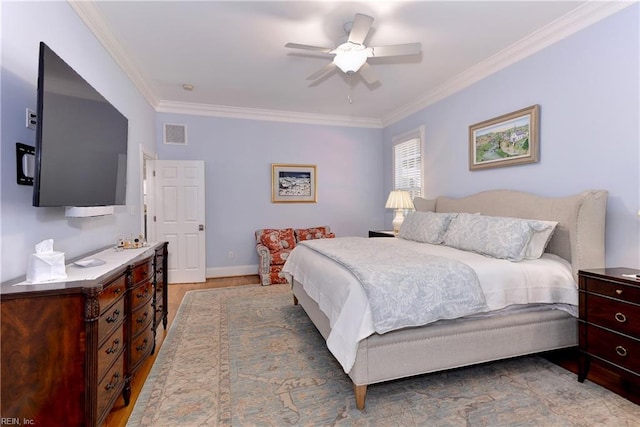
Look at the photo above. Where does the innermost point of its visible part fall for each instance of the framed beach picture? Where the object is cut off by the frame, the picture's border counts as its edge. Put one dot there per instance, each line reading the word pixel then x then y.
pixel 511 139
pixel 293 183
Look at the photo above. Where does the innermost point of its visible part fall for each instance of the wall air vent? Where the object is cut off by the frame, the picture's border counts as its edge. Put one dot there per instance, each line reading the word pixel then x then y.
pixel 175 134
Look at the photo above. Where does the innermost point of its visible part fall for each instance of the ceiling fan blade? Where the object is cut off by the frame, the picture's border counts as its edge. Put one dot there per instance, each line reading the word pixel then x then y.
pixel 360 28
pixel 331 66
pixel 368 74
pixel 396 50
pixel 307 47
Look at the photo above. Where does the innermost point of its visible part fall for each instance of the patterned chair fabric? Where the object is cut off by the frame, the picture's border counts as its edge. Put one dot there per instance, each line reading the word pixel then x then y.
pixel 274 246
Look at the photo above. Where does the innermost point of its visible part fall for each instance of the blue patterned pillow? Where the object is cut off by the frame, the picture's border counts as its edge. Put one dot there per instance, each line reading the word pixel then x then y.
pixel 425 227
pixel 498 237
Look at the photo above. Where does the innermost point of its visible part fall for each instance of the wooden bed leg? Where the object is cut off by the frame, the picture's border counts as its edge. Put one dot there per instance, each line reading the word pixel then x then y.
pixel 361 394
pixel 295 300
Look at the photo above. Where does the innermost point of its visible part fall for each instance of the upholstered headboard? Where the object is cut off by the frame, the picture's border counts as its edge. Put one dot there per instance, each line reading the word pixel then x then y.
pixel 579 236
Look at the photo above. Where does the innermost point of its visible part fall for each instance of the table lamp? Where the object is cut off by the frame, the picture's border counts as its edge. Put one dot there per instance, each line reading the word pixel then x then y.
pixel 399 200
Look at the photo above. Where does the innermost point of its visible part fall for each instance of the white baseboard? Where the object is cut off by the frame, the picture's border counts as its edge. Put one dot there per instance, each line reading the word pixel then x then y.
pixel 236 270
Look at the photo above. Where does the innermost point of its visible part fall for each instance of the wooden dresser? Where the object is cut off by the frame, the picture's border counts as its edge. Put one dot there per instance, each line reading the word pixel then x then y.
pixel 609 328
pixel 70 349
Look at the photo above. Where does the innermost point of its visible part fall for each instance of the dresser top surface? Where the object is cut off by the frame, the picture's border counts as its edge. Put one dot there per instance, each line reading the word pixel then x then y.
pixel 13 287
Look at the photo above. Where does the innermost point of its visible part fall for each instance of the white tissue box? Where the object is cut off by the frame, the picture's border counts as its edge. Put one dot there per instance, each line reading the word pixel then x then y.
pixel 43 267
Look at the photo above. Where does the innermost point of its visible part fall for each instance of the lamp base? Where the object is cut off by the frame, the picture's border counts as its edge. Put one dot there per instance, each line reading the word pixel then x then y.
pixel 397 220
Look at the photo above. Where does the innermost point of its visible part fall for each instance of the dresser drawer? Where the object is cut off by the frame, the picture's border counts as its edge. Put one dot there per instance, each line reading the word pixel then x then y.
pixel 110 320
pixel 141 347
pixel 612 289
pixel 612 314
pixel 615 348
pixel 141 294
pixel 110 350
pixel 142 272
pixel 141 318
pixel 112 292
pixel 110 387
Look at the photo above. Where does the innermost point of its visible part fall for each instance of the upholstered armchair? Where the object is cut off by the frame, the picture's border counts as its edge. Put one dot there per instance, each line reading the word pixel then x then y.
pixel 274 246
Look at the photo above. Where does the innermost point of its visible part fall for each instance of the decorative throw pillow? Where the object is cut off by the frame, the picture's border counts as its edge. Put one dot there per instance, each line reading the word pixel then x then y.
pixel 278 239
pixel 498 237
pixel 425 227
pixel 323 232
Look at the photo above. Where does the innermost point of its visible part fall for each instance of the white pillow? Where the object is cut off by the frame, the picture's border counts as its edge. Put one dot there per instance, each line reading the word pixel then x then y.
pixel 425 227
pixel 498 237
pixel 539 240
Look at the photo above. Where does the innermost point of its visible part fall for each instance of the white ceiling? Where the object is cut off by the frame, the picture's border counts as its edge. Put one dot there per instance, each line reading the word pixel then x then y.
pixel 233 53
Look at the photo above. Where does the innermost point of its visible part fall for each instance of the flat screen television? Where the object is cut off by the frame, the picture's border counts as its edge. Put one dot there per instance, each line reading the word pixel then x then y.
pixel 81 140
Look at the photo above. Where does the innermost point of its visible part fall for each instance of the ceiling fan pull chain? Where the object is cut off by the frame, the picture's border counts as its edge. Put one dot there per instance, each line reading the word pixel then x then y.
pixel 349 87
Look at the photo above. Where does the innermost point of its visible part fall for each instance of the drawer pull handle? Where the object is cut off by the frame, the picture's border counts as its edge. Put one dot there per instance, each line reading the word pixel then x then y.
pixel 143 294
pixel 142 318
pixel 619 291
pixel 117 291
pixel 114 382
pixel 114 347
pixel 142 346
pixel 620 317
pixel 113 317
pixel 621 351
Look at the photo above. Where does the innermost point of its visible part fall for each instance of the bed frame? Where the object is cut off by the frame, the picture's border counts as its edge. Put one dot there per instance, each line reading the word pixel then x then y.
pixel 578 238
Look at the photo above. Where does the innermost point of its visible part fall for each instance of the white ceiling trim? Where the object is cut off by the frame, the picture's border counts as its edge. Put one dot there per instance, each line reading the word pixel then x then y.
pixel 565 26
pixel 574 21
pixel 268 115
pixel 94 20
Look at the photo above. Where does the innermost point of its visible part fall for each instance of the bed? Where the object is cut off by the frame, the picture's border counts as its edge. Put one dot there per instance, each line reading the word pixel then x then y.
pixel 327 289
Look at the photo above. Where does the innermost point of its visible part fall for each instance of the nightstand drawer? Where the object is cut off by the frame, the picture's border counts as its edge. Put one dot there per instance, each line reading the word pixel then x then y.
pixel 612 314
pixel 615 348
pixel 612 289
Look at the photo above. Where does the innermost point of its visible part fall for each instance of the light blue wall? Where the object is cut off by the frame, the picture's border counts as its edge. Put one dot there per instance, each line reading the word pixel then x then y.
pixel 24 25
pixel 587 87
pixel 588 90
pixel 238 154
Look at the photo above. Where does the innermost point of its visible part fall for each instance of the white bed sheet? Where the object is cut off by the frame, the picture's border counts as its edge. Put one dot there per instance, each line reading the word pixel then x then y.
pixel 343 300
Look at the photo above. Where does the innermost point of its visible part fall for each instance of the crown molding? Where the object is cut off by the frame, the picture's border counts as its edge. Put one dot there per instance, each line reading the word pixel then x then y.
pixel 94 20
pixel 574 21
pixel 267 115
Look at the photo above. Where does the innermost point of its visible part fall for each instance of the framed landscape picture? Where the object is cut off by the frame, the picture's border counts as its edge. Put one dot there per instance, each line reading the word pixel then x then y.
pixel 293 183
pixel 510 139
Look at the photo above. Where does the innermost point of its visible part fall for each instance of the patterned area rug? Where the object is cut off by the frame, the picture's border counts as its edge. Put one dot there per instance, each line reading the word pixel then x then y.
pixel 247 356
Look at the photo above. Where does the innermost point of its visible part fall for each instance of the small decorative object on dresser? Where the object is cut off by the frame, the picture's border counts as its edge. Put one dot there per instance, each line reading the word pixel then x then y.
pixel 609 328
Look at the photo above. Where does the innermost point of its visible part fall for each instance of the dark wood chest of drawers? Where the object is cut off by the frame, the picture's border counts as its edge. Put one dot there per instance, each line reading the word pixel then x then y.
pixel 610 325
pixel 70 349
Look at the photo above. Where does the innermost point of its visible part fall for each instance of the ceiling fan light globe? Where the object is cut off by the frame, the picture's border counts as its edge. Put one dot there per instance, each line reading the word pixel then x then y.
pixel 350 61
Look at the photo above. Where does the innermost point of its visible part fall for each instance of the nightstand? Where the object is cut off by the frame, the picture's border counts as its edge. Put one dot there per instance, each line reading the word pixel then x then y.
pixel 609 326
pixel 381 233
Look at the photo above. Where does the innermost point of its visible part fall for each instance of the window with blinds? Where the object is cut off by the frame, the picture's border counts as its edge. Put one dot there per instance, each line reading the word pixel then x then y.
pixel 407 163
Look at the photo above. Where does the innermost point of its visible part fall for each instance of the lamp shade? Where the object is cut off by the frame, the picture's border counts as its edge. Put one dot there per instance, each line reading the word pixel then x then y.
pixel 399 199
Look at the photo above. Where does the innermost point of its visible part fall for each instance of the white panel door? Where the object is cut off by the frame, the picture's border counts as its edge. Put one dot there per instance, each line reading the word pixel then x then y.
pixel 178 187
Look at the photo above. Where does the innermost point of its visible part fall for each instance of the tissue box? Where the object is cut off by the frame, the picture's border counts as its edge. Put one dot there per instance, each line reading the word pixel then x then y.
pixel 43 267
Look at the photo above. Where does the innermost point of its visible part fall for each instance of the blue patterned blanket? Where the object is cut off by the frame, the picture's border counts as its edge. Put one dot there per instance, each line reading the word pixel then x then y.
pixel 404 287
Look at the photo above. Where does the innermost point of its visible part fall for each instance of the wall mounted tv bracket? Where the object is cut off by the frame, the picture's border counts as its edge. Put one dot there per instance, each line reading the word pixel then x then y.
pixel 25 163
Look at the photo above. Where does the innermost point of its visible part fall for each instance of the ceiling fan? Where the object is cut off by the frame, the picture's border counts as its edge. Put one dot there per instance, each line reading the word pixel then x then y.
pixel 351 56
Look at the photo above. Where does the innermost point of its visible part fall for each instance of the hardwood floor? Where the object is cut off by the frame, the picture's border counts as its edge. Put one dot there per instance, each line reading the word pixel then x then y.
pixel 120 413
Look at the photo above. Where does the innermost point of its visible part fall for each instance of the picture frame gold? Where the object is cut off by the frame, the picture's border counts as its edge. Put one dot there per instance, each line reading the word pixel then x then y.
pixel 507 140
pixel 292 183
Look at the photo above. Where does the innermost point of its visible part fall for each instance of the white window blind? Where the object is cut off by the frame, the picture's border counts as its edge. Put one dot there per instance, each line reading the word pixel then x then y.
pixel 407 165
